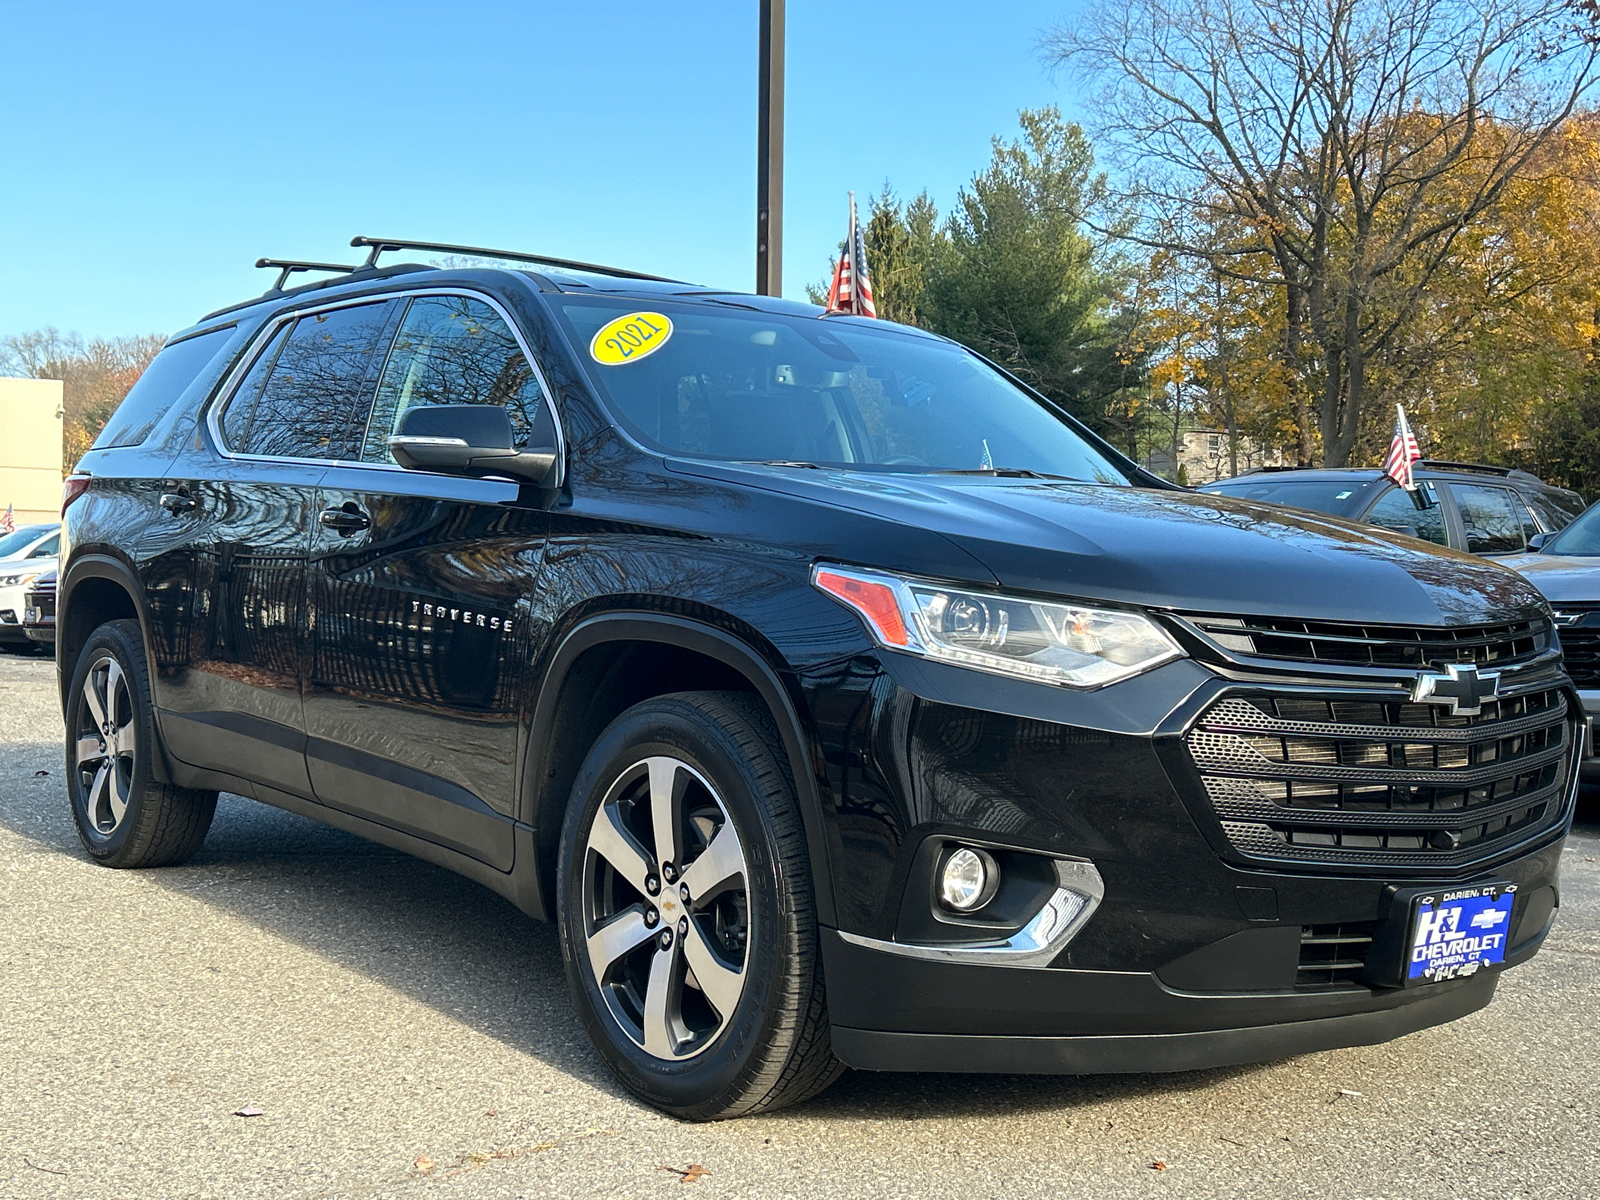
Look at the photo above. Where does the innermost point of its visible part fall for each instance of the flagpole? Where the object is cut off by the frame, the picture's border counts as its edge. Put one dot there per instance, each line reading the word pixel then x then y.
pixel 769 153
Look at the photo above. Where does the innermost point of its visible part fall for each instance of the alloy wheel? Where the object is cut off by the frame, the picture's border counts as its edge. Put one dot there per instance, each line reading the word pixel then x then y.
pixel 666 903
pixel 104 745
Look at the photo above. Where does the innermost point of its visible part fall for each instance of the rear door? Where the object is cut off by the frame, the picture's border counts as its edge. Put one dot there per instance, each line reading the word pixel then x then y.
pixel 236 706
pixel 419 588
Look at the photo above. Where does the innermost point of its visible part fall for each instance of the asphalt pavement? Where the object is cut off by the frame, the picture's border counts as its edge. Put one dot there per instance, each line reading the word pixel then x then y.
pixel 404 1033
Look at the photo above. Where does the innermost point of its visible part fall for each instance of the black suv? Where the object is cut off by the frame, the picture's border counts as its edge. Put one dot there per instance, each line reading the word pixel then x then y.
pixel 1480 509
pixel 841 699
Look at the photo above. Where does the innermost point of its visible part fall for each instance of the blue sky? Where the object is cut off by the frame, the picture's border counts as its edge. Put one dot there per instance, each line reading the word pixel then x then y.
pixel 153 152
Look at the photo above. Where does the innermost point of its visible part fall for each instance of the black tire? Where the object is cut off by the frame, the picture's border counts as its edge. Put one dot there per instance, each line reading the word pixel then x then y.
pixel 123 815
pixel 771 1048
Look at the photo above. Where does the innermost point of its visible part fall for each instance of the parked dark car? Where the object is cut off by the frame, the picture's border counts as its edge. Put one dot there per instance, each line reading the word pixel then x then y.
pixel 1482 510
pixel 1566 568
pixel 842 700
pixel 39 611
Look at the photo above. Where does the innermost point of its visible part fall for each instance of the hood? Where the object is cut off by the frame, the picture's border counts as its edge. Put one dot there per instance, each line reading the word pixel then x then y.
pixel 1562 578
pixel 1165 549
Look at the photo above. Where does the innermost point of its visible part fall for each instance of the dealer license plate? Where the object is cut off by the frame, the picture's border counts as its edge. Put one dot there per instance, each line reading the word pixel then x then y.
pixel 1457 932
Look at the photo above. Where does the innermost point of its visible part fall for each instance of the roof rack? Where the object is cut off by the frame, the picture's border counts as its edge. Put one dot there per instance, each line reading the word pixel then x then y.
pixel 382 245
pixel 1445 464
pixel 289 266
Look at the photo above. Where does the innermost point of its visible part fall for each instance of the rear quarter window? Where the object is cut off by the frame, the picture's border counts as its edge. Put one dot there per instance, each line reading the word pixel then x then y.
pixel 166 379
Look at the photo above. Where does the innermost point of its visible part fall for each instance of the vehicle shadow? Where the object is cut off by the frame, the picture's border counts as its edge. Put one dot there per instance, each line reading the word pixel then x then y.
pixel 459 948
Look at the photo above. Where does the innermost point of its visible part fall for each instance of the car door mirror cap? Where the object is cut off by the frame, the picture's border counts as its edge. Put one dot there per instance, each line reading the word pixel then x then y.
pixel 455 456
pixel 1538 540
pixel 468 439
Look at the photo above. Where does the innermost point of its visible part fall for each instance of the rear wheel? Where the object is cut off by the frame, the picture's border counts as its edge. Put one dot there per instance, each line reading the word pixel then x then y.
pixel 124 817
pixel 686 911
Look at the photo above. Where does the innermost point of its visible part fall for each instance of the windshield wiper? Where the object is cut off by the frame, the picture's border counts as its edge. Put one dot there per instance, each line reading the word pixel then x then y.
pixel 781 462
pixel 1004 473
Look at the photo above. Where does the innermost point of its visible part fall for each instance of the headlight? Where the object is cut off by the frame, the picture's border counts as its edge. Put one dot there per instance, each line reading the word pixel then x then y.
pixel 14 580
pixel 1066 644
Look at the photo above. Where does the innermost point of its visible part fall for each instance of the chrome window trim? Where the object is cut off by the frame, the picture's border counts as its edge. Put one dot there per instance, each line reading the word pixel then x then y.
pixel 269 329
pixel 1036 944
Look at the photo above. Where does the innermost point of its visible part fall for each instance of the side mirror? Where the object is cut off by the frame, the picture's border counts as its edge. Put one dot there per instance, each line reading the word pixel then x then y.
pixel 468 439
pixel 1537 541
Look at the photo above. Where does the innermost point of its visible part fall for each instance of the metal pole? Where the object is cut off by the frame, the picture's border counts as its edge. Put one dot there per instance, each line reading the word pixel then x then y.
pixel 769 154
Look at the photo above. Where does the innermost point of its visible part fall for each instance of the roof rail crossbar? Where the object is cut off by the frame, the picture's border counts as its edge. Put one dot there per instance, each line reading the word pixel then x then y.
pixel 1445 464
pixel 379 246
pixel 288 266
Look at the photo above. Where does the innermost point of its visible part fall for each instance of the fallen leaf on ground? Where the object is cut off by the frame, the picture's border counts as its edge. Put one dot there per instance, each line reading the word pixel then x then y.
pixel 40 774
pixel 691 1175
pixel 423 1163
pixel 1158 1165
pixel 249 1110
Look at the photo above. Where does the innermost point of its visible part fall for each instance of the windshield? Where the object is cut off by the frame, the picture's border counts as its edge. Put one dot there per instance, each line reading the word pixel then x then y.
pixel 724 381
pixel 16 543
pixel 1582 537
pixel 1320 495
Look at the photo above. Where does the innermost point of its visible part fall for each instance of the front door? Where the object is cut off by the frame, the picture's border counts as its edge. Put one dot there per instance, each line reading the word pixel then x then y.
pixel 420 590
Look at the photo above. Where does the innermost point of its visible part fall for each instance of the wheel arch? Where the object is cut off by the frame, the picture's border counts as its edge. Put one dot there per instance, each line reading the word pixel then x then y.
pixel 94 589
pixel 608 662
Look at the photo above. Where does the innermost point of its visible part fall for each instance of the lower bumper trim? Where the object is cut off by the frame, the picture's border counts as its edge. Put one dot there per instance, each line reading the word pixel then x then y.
pixel 878 1050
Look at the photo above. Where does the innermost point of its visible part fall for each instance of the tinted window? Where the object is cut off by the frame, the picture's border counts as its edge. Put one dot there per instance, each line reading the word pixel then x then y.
pixel 1581 537
pixel 1394 510
pixel 16 543
pixel 166 378
pixel 1320 495
pixel 1554 509
pixel 731 382
pixel 301 396
pixel 456 350
pixel 1491 518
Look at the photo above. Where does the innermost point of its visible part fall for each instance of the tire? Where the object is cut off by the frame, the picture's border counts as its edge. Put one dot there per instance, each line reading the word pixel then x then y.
pixel 705 1006
pixel 124 816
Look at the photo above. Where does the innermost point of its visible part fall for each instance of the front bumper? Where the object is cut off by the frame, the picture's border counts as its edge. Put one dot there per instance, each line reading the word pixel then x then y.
pixel 1090 1054
pixel 1195 958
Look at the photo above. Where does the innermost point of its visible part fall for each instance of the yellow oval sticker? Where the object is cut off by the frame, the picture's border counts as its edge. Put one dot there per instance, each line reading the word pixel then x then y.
pixel 630 337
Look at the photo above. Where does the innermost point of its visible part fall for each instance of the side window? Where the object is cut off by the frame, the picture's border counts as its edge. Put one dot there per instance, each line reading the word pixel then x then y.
pixel 1490 517
pixel 1394 510
pixel 166 378
pixel 48 548
pixel 1553 517
pixel 456 350
pixel 301 396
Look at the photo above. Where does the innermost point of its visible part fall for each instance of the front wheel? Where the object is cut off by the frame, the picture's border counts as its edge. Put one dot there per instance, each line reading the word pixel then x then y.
pixel 686 911
pixel 124 816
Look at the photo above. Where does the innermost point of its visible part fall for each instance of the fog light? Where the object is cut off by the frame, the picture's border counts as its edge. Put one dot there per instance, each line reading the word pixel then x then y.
pixel 969 879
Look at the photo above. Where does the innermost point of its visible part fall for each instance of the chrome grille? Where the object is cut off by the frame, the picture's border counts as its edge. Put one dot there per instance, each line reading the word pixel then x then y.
pixel 1362 782
pixel 1345 644
pixel 1580 644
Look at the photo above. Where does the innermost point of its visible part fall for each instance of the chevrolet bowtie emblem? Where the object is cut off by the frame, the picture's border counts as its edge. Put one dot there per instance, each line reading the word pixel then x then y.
pixel 1461 689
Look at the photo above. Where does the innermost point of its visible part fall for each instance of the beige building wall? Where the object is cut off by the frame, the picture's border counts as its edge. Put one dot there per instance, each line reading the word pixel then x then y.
pixel 30 449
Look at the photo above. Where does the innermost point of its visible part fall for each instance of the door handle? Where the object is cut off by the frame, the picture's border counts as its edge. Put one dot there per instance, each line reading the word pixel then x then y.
pixel 177 502
pixel 345 520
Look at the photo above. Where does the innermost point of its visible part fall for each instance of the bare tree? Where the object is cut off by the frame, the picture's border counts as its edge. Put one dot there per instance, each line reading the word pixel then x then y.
pixel 1342 145
pixel 95 375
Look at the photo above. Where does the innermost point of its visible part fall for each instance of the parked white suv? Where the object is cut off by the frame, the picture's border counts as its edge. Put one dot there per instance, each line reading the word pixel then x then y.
pixel 24 556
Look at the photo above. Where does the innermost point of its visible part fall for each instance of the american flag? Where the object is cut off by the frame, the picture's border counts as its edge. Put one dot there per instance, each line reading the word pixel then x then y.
pixel 1402 452
pixel 8 523
pixel 851 291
